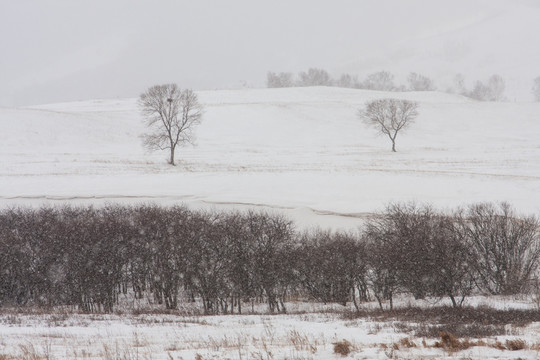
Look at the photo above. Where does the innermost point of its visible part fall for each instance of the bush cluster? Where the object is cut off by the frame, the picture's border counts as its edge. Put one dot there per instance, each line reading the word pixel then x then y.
pixel 381 80
pixel 492 89
pixel 86 257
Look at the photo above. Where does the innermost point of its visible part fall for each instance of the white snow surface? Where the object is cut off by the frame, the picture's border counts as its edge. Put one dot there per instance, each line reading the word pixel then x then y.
pixel 302 151
pixel 307 332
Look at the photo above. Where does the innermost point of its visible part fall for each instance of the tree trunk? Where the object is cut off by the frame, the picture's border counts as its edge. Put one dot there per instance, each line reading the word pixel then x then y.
pixel 171 160
pixel 354 299
pixel 454 303
pixel 393 146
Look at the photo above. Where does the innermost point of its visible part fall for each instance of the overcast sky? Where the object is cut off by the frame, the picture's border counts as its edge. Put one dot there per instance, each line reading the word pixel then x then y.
pixel 62 50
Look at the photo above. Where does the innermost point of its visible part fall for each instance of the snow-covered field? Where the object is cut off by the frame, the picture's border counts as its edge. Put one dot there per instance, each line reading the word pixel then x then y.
pixel 300 335
pixel 300 150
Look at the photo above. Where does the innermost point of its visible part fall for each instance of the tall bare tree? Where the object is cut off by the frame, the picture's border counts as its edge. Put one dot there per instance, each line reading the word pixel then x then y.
pixel 171 114
pixel 390 116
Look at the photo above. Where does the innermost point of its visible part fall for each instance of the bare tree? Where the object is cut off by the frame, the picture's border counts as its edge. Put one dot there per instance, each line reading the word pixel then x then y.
pixel 459 83
pixel 383 260
pixel 348 81
pixel 332 266
pixel 389 116
pixel 382 81
pixel 497 86
pixel 314 77
pixel 280 80
pixel 171 114
pixel 536 88
pixel 507 247
pixel 418 82
pixel 452 259
pixel 492 90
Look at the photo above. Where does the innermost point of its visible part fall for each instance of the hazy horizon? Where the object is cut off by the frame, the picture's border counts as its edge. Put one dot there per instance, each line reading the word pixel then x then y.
pixel 59 50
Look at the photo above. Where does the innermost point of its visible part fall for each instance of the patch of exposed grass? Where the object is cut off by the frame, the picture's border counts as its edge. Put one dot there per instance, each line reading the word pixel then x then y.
pixel 451 343
pixel 342 348
pixel 475 322
pixel 516 344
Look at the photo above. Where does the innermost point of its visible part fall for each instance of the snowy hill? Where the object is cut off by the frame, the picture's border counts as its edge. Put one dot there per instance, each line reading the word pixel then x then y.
pixel 501 40
pixel 302 150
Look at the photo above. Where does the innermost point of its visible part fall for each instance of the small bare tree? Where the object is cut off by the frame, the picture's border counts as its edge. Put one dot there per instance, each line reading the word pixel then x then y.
pixel 492 90
pixel 171 114
pixel 536 88
pixel 314 77
pixel 418 82
pixel 459 84
pixel 389 116
pixel 279 80
pixel 381 81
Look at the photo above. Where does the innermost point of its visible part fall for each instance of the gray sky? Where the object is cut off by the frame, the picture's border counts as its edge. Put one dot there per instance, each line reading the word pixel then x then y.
pixel 62 50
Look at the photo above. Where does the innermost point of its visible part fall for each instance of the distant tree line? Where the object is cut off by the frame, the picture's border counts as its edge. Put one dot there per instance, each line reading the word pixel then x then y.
pixel 88 257
pixel 492 89
pixel 382 80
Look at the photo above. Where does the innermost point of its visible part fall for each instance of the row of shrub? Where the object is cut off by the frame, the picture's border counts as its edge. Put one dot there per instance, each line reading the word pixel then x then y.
pixel 382 81
pixel 86 257
pixel 492 89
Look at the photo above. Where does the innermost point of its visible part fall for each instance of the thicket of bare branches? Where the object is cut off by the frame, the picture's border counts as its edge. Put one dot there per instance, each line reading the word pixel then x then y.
pixel 171 115
pixel 507 247
pixel 331 267
pixel 88 257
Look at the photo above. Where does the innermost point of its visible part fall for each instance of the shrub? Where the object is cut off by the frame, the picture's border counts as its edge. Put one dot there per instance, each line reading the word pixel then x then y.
pixel 451 343
pixel 342 347
pixel 516 344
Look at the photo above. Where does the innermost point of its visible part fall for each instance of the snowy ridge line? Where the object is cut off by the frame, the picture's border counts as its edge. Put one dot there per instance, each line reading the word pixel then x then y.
pixel 453 172
pixel 97 197
pixel 194 199
pixel 287 103
pixel 263 168
pixel 360 215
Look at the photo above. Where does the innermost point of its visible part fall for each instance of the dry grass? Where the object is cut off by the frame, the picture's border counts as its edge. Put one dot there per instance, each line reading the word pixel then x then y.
pixel 407 343
pixel 271 342
pixel 516 344
pixel 29 352
pixel 448 314
pixel 342 347
pixel 301 342
pixel 474 322
pixel 451 343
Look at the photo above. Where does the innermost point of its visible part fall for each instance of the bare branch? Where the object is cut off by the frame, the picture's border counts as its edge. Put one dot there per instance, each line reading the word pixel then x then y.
pixel 171 114
pixel 389 116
